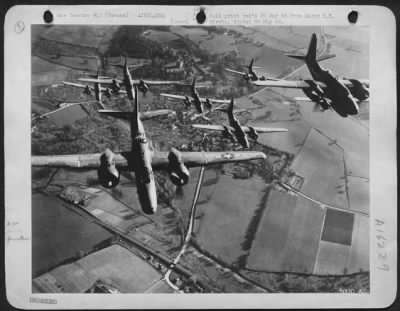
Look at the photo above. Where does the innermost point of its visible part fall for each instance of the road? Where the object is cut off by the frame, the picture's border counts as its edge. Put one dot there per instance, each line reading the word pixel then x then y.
pixel 322 205
pixel 187 238
pixel 67 105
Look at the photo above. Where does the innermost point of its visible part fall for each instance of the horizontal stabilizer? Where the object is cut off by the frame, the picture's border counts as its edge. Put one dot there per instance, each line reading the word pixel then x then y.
pixel 325 57
pixel 125 115
pixel 296 56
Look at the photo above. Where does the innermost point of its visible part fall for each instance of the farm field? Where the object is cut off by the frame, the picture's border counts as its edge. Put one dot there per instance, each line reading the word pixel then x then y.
pixel 161 36
pixel 76 34
pixel 320 163
pixel 332 258
pixel 68 116
pixel 291 141
pixel 58 233
pixel 195 34
pixel 358 194
pixel 40 65
pixel 359 256
pixel 226 219
pixel 352 137
pixel 289 225
pixel 110 264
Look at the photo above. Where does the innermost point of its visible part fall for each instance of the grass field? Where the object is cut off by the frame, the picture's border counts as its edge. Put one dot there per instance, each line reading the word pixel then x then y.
pixel 161 36
pixel 110 264
pixel 317 160
pixel 358 194
pixel 219 44
pixel 58 233
pixel 332 258
pixel 359 256
pixel 68 115
pixel 288 235
pixel 195 34
pixel 76 34
pixel 226 215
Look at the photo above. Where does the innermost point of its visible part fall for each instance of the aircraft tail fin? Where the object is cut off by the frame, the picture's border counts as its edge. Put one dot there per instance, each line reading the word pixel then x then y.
pixel 229 109
pixel 311 53
pixel 194 84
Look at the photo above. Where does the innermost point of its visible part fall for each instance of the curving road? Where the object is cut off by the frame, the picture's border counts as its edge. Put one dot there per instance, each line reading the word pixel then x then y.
pixel 186 241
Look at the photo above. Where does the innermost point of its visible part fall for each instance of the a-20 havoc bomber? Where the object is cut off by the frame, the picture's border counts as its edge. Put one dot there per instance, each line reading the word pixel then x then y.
pixel 181 256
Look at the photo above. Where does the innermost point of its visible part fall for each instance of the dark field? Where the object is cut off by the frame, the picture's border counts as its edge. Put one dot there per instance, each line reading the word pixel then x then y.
pixel 59 234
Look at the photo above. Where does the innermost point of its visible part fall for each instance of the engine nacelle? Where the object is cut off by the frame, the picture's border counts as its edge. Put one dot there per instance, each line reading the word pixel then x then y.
pixel 316 94
pixel 115 86
pixel 87 90
pixel 107 172
pixel 143 87
pixel 228 133
pixel 178 172
pixel 246 77
pixel 187 102
pixel 358 90
pixel 263 78
pixel 208 103
pixel 253 133
pixel 107 92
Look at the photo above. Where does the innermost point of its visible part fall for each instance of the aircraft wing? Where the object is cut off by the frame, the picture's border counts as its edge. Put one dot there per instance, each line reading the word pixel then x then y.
pixel 75 84
pixel 175 96
pixel 159 159
pixel 101 81
pixel 126 115
pixel 246 129
pixel 151 82
pixel 84 161
pixel 195 159
pixel 213 127
pixel 235 71
pixel 348 83
pixel 217 101
pixel 299 84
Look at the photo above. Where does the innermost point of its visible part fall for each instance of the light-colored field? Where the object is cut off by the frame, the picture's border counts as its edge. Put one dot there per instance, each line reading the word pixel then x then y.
pixel 332 258
pixel 288 235
pixel 41 65
pixel 50 77
pixel 113 264
pixel 195 34
pixel 290 141
pixel 68 115
pixel 263 57
pixel 76 34
pixel 219 44
pixel 358 189
pixel 351 136
pixel 225 217
pixel 161 36
pixel 320 163
pixel 359 255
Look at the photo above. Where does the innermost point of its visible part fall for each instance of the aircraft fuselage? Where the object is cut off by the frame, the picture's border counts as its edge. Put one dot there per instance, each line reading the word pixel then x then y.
pixel 97 91
pixel 239 133
pixel 197 102
pixel 341 98
pixel 128 83
pixel 142 167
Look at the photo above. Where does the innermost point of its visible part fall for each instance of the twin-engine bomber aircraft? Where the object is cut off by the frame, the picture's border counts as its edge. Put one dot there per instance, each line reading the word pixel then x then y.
pixel 196 100
pixel 251 74
pixel 325 89
pixel 143 85
pixel 236 130
pixel 96 88
pixel 142 161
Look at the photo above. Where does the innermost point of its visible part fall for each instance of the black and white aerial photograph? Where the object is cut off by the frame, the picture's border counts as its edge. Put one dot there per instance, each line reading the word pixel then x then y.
pixel 200 159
